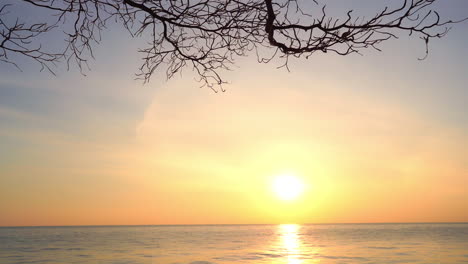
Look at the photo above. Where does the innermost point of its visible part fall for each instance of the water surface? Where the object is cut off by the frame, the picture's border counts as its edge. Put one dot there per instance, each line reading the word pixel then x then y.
pixel 288 244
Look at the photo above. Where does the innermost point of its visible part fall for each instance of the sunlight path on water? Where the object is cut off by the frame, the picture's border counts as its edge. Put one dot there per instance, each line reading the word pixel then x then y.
pixel 291 243
pixel 292 246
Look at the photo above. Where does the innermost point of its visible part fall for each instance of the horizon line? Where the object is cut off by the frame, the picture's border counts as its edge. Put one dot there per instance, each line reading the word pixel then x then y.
pixel 137 225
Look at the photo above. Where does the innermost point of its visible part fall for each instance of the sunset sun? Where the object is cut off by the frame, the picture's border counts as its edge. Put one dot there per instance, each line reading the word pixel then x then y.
pixel 287 187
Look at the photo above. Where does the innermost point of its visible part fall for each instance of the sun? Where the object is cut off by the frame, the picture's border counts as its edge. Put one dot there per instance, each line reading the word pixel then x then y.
pixel 287 187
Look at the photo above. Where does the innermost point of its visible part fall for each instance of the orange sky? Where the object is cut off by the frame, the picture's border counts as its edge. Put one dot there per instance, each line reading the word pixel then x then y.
pixel 379 138
pixel 206 158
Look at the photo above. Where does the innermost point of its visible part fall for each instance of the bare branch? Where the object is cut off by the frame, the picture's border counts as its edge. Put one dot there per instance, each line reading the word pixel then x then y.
pixel 208 35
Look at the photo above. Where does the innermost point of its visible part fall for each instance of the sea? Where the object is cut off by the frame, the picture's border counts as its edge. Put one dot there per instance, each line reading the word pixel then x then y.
pixel 209 244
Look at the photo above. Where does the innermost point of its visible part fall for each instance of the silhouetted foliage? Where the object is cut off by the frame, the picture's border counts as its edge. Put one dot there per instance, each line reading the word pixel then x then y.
pixel 207 35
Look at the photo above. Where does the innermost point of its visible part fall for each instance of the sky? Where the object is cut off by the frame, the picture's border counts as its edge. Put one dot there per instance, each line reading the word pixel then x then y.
pixel 374 138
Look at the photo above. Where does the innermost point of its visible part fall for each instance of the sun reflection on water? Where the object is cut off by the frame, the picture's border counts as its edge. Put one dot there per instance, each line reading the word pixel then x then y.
pixel 291 243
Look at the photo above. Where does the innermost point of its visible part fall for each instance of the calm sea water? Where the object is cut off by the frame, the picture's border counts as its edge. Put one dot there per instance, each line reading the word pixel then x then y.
pixel 292 244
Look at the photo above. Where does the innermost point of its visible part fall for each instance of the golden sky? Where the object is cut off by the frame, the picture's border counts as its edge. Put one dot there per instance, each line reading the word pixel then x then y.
pixel 379 138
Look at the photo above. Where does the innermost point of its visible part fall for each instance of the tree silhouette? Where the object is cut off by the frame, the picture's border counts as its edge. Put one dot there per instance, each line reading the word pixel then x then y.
pixel 207 35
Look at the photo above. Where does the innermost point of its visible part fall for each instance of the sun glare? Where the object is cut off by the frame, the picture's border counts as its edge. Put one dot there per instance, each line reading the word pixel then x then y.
pixel 287 187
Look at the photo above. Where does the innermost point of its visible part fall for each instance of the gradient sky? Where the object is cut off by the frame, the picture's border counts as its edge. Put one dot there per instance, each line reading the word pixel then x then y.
pixel 376 138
